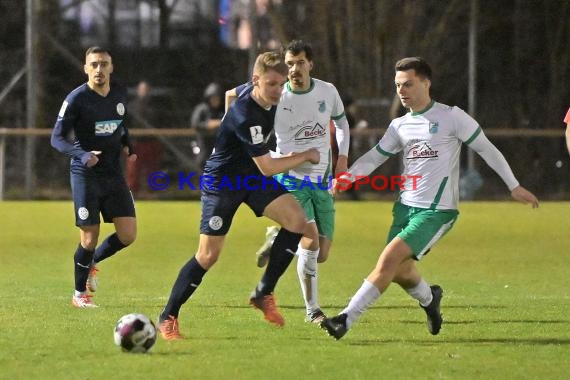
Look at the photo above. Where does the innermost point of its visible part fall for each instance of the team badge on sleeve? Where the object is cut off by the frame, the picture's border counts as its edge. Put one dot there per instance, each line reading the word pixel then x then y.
pixel 256 134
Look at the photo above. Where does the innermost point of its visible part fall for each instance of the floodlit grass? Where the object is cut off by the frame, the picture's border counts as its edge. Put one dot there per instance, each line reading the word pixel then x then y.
pixel 504 269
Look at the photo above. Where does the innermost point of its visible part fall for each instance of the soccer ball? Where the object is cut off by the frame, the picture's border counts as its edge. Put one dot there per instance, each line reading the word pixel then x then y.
pixel 135 333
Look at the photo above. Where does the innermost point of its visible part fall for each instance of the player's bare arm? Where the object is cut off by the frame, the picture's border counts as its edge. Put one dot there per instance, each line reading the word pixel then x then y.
pixel 270 166
pixel 341 164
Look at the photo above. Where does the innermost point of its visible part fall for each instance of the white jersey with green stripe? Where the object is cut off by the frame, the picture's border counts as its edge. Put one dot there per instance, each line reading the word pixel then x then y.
pixel 303 121
pixel 430 143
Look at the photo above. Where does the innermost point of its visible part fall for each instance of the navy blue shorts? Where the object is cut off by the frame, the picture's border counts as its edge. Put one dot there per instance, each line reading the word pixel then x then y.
pixel 220 206
pixel 92 195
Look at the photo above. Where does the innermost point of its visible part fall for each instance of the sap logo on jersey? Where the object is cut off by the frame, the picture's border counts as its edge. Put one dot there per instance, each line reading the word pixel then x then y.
pixel 107 127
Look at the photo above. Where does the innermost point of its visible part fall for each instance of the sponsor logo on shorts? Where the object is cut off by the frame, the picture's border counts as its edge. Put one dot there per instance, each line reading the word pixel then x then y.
pixel 83 213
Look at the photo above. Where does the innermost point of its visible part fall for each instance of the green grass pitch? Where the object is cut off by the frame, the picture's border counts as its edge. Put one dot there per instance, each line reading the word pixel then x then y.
pixel 504 268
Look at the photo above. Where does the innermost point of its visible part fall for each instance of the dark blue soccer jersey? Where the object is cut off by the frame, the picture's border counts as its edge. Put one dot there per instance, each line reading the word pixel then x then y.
pixel 88 122
pixel 243 134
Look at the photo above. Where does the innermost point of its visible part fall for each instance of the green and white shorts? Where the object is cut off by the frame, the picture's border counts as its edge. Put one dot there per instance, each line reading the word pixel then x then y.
pixel 420 228
pixel 317 202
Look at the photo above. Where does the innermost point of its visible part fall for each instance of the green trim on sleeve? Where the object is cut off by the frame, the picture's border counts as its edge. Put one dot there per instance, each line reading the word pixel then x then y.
pixel 473 136
pixel 383 152
pixel 439 193
pixel 338 117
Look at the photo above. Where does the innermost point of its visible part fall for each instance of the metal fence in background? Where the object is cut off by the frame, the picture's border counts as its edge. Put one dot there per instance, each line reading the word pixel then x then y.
pixel 547 175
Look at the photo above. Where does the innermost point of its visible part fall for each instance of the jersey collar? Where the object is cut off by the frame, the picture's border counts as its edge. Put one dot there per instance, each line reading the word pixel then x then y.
pixel 424 110
pixel 302 91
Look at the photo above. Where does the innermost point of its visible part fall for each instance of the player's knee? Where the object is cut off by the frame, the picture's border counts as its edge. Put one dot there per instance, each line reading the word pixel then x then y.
pixel 208 258
pixel 323 256
pixel 405 279
pixel 127 238
pixel 296 224
pixel 89 244
pixel 311 231
pixel 325 247
pixel 309 243
pixel 404 282
pixel 89 236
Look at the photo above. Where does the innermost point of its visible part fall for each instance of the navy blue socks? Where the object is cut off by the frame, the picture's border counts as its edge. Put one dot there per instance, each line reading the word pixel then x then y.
pixel 108 248
pixel 282 253
pixel 82 260
pixel 189 278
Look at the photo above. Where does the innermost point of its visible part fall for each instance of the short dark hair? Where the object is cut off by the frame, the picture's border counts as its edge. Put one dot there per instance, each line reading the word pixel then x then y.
pixel 298 46
pixel 97 49
pixel 418 64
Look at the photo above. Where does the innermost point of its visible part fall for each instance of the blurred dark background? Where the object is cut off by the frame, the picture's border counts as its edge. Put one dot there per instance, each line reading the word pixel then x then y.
pixel 519 55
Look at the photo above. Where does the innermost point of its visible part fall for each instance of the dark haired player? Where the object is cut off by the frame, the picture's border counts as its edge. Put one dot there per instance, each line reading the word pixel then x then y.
pixel 430 136
pixel 90 128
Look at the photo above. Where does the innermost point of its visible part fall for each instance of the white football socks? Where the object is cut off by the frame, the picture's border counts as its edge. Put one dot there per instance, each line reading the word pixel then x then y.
pixel 362 299
pixel 307 272
pixel 421 292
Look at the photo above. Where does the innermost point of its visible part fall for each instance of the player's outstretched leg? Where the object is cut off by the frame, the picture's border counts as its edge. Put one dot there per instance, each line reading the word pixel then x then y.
pixel 359 303
pixel 188 280
pixel 82 300
pixel 282 253
pixel 308 279
pixel 92 282
pixel 266 303
pixel 316 317
pixel 169 329
pixel 434 317
pixel 82 260
pixel 262 254
pixel 335 326
pixel 108 248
